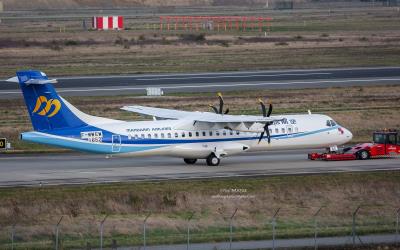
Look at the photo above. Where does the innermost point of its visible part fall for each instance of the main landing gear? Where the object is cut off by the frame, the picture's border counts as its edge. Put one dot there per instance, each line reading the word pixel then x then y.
pixel 211 160
pixel 190 161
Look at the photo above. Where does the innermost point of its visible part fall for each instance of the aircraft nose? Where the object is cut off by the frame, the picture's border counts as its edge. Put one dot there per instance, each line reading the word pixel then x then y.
pixel 348 134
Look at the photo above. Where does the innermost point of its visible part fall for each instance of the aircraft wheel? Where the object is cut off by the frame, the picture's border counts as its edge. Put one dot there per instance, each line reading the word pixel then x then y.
pixel 363 155
pixel 190 161
pixel 212 160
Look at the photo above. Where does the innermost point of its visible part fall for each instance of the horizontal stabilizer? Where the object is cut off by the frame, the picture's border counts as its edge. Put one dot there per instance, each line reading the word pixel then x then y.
pixel 40 81
pixel 13 79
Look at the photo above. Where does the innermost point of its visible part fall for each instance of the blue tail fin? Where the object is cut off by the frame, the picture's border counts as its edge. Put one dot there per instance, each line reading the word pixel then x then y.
pixel 46 109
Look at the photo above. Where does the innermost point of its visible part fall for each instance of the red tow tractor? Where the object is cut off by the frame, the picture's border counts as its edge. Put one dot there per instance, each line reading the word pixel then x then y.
pixel 385 143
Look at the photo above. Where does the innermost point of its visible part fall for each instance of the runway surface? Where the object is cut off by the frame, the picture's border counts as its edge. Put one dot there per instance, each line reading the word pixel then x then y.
pixel 56 169
pixel 212 82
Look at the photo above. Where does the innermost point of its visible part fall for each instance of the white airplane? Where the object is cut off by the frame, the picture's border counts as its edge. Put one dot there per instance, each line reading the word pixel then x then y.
pixel 182 134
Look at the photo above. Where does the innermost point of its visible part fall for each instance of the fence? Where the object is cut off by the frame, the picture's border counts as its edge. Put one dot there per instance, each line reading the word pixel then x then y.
pixel 87 232
pixel 216 23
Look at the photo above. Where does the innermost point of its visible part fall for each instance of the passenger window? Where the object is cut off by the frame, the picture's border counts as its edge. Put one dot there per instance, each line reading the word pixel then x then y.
pixel 142 135
pixel 155 136
pixel 224 133
pixel 162 135
pixel 333 123
pixel 136 137
pixel 283 130
pixel 231 132
pixel 217 133
pixel 238 132
pixel 149 136
pixel 169 135
pixel 176 135
pixel 289 130
pixel 210 133
pixel 204 133
pixel 190 134
pixel 197 134
pixel 277 130
pixel 296 129
pixel 183 134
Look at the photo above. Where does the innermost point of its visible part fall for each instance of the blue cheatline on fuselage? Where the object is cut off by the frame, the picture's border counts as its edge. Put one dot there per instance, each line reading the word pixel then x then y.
pixel 126 145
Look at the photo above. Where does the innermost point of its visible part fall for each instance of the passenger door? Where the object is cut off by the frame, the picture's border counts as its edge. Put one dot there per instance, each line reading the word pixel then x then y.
pixel 116 143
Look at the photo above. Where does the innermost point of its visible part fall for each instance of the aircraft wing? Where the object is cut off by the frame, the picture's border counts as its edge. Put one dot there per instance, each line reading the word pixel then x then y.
pixel 159 112
pixel 207 120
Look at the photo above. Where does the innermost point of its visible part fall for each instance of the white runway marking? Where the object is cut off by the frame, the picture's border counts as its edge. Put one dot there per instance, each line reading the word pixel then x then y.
pixel 229 76
pixel 227 73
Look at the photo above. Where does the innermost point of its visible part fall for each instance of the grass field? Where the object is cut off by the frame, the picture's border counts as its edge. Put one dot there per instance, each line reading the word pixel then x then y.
pixel 36 210
pixel 297 39
pixel 351 107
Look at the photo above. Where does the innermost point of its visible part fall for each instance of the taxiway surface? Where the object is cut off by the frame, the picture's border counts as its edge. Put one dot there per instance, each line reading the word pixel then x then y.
pixel 48 169
pixel 213 82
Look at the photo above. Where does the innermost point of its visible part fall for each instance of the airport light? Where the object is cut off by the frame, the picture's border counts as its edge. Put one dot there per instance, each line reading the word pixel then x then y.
pixel 231 228
pixel 188 229
pixel 58 230
pixel 144 230
pixel 101 231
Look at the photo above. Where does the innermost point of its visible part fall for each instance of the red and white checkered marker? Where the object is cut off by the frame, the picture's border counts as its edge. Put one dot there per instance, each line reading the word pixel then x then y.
pixel 108 22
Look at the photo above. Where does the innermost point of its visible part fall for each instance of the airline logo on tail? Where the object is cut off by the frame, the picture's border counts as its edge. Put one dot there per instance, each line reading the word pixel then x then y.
pixel 50 109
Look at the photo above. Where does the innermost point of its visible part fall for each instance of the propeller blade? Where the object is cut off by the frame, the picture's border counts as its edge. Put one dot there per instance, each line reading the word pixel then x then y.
pixel 269 110
pixel 261 137
pixel 221 103
pixel 268 134
pixel 264 111
pixel 214 108
pixel 226 111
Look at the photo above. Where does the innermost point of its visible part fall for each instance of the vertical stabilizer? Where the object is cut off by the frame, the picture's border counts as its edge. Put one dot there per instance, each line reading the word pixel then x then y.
pixel 46 109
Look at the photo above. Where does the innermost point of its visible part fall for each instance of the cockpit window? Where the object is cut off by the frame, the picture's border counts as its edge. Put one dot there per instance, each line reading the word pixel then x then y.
pixel 330 123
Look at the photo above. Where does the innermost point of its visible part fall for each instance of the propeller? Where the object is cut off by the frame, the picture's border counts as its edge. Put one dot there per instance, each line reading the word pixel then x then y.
pixel 266 126
pixel 221 106
pixel 263 108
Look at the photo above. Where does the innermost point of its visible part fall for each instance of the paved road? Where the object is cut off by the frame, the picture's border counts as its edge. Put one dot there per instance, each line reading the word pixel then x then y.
pixel 212 82
pixel 84 168
pixel 279 243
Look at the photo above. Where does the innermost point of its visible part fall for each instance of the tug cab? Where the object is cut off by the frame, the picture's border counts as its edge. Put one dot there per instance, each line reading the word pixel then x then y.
pixel 386 142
